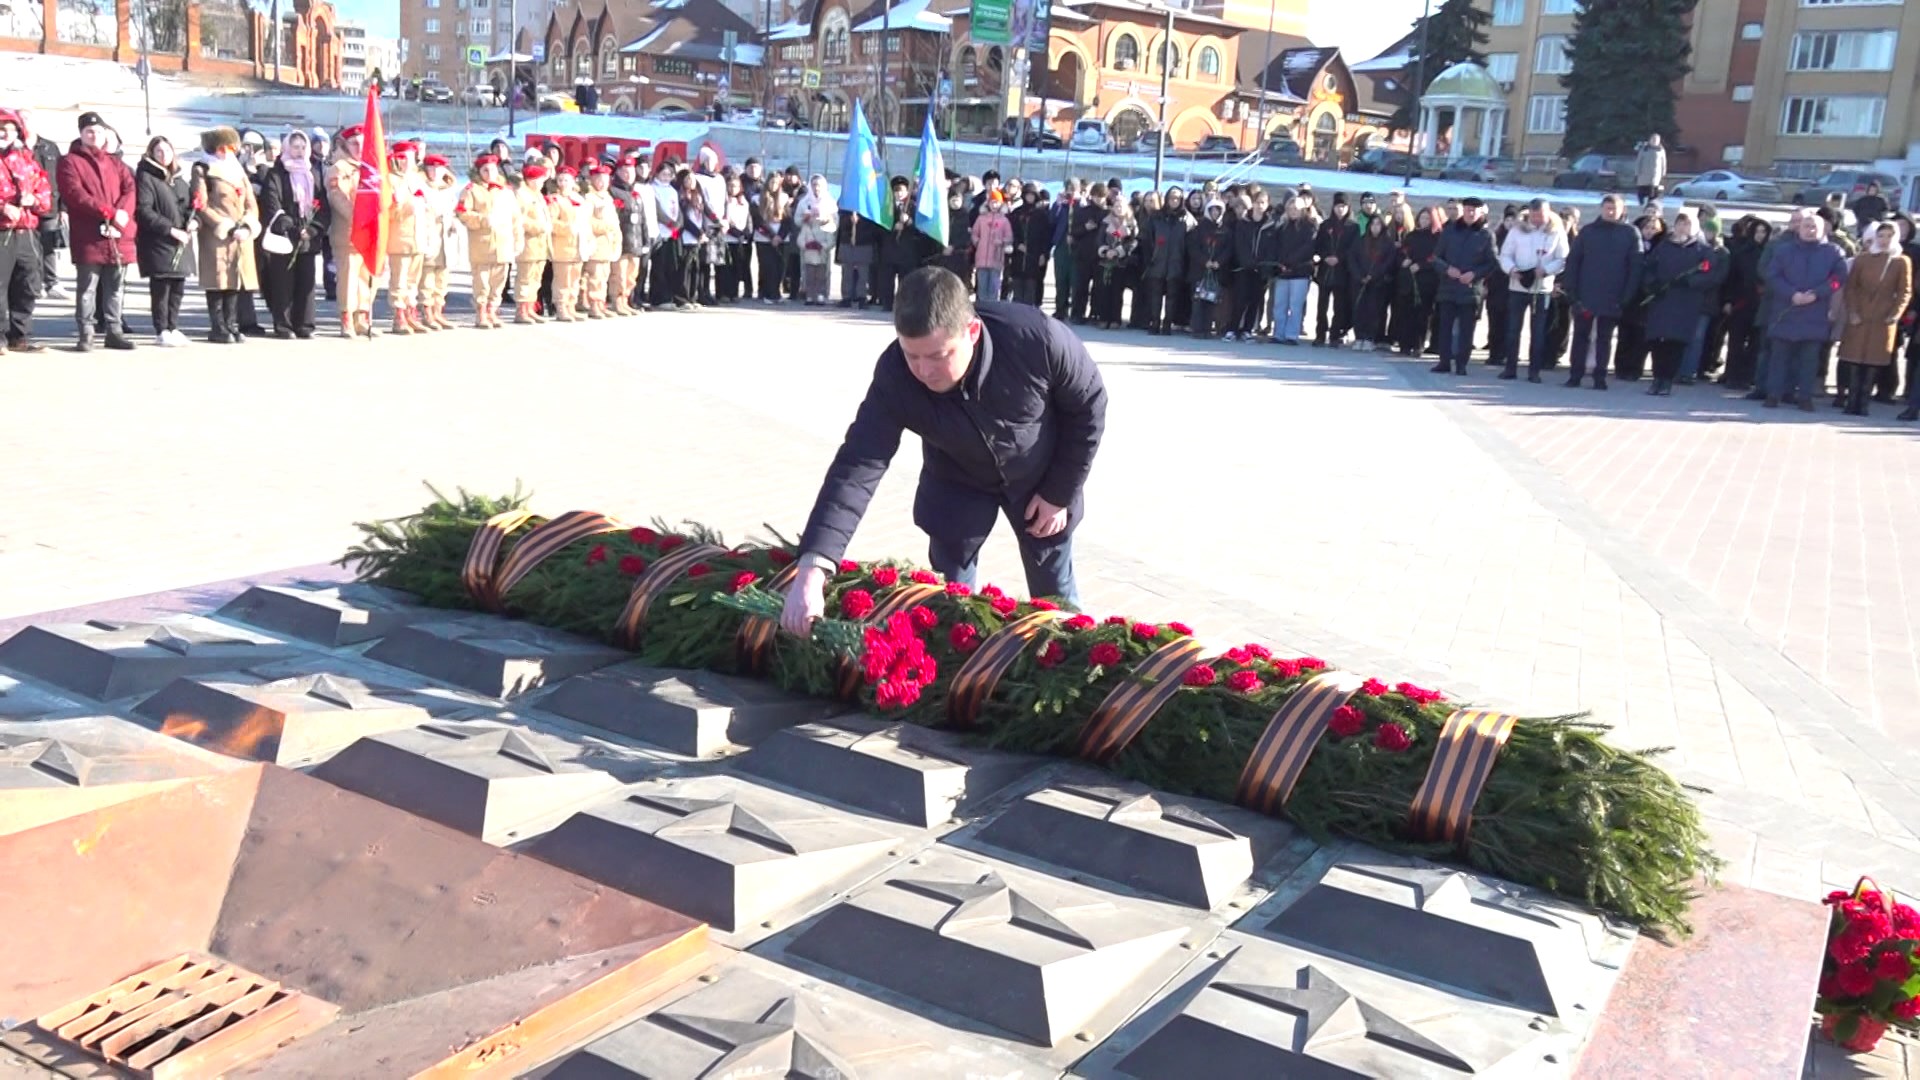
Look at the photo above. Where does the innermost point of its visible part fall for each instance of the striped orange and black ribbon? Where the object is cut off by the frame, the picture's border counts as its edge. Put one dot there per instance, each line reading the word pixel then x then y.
pixel 653 581
pixel 1130 705
pixel 484 550
pixel 974 683
pixel 754 642
pixel 903 596
pixel 1470 741
pixel 543 542
pixel 1291 737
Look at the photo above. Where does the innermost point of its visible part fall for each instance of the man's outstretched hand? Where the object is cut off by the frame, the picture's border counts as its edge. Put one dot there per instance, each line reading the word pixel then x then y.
pixel 1044 519
pixel 806 602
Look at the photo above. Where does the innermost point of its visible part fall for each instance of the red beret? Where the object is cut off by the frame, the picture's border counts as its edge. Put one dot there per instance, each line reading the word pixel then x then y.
pixel 600 170
pixel 568 170
pixel 485 159
pixel 435 161
pixel 353 132
pixel 404 146
pixel 534 172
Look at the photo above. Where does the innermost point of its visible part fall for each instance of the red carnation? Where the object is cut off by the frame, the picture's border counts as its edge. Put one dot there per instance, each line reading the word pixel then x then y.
pixel 856 603
pixel 1419 695
pixel 1239 655
pixel 643 535
pixel 1200 675
pixel 888 694
pixel 743 579
pixel 1851 945
pixel 698 569
pixel 1260 652
pixel 1287 668
pixel 1391 737
pixel 1908 1009
pixel 1180 628
pixel 1892 965
pixel 1079 622
pixel 1105 654
pixel 1373 688
pixel 1347 721
pixel 924 577
pixel 965 637
pixel 1005 605
pixel 924 617
pixel 1044 605
pixel 1854 980
pixel 1116 620
pixel 1145 631
pixel 632 565
pixel 1838 895
pixel 780 556
pixel 885 576
pixel 1051 656
pixel 991 591
pixel 668 543
pixel 955 588
pixel 598 555
pixel 1311 663
pixel 848 566
pixel 1705 266
pixel 1245 682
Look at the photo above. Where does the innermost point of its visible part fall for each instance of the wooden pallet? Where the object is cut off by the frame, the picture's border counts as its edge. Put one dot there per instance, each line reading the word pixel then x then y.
pixel 191 1016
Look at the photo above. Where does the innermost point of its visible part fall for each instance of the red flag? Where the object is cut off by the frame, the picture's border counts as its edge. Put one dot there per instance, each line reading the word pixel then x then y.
pixel 370 198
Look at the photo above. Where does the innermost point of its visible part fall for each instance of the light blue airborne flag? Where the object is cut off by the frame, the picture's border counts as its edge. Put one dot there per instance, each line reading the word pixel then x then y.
pixel 930 206
pixel 863 182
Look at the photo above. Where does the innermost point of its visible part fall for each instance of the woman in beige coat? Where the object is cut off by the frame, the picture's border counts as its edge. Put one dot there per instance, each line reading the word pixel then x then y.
pixel 536 228
pixel 491 213
pixel 1876 294
pixel 228 218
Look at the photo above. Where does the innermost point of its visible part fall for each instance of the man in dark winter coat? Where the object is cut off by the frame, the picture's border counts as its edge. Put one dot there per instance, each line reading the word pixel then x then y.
pixel 1603 273
pixel 1801 280
pixel 1009 408
pixel 1087 223
pixel 97 189
pixel 1465 257
pixel 1331 246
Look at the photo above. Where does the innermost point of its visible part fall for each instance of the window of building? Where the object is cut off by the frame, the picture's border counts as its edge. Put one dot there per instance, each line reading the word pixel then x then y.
pixel 1170 58
pixel 1743 92
pixel 1752 31
pixel 583 61
pixel 1547 114
pixel 893 43
pixel 433 3
pixel 1509 12
pixel 1210 62
pixel 433 52
pixel 1833 116
pixel 483 26
pixel 1550 56
pixel 626 64
pixel 1733 155
pixel 672 65
pixel 1560 7
pixel 1843 50
pixel 1503 66
pixel 609 57
pixel 1126 52
pixel 834 41
pixel 433 26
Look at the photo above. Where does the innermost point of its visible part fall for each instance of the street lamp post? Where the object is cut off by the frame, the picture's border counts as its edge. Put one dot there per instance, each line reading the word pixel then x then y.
pixel 1419 91
pixel 513 64
pixel 1160 136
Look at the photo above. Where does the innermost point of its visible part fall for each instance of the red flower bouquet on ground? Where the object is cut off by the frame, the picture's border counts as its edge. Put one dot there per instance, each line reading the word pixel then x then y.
pixel 1871 978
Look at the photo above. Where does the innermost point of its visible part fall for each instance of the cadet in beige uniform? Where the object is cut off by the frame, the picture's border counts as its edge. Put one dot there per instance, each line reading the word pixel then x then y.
pixel 605 223
pixel 536 227
pixel 491 214
pixel 570 222
pixel 441 194
pixel 355 285
pixel 408 218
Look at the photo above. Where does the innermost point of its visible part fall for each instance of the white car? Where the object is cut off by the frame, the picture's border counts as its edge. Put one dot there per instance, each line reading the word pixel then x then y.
pixel 1728 185
pixel 1092 136
pixel 481 96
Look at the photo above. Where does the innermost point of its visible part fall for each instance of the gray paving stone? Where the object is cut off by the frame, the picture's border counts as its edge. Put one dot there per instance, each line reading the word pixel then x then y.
pixel 106 659
pixel 897 770
pixel 497 657
pixel 696 713
pixel 745 858
pixel 328 616
pixel 290 721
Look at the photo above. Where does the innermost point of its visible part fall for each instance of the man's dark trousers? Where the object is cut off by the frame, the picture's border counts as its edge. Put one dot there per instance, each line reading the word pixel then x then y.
pixel 20 278
pixel 1457 321
pixel 1531 308
pixel 1082 290
pixel 967 517
pixel 1599 330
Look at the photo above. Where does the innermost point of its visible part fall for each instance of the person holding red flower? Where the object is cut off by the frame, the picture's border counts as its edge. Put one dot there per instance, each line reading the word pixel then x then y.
pixel 1682 279
pixel 1009 407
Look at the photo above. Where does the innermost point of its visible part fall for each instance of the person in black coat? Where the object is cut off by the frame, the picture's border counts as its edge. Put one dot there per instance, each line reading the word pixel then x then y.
pixel 1209 259
pixel 1682 278
pixel 1085 223
pixel 958 256
pixel 1330 249
pixel 162 210
pixel 1603 274
pixel 1416 284
pixel 1249 277
pixel 1163 239
pixel 1376 262
pixel 1742 294
pixel 289 209
pixel 1285 254
pixel 1009 408
pixel 1032 225
pixel 1466 258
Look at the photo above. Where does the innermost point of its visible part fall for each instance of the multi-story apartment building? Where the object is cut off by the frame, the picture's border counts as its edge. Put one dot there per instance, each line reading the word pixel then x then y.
pixel 362 54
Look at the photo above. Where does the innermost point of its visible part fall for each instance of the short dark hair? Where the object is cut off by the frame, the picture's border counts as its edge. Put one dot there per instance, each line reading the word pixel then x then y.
pixel 931 299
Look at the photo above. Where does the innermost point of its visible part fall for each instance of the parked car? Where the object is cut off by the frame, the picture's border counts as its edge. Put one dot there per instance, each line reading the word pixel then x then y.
pixel 481 96
pixel 434 92
pixel 1385 162
pixel 1282 150
pixel 1727 184
pixel 554 101
pixel 1850 183
pixel 1092 135
pixel 1482 170
pixel 1216 147
pixel 1143 142
pixel 1598 172
pixel 1037 134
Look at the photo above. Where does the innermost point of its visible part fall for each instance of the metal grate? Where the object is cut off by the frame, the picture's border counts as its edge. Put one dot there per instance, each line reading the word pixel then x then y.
pixel 191 1016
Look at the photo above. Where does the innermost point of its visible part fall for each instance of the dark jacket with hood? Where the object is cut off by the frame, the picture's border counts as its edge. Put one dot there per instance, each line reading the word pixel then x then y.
pixel 1164 239
pixel 1797 265
pixel 161 204
pixel 1033 240
pixel 1286 247
pixel 47 153
pixel 1025 420
pixel 1604 267
pixel 1086 223
pixel 1335 240
pixel 97 190
pixel 1208 242
pixel 1245 233
pixel 1469 248
pixel 1679 290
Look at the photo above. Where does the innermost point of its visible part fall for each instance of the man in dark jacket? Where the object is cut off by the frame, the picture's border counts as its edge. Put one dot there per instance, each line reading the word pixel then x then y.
pixel 53 218
pixel 1603 273
pixel 1331 247
pixel 1009 408
pixel 97 190
pixel 1087 223
pixel 1869 208
pixel 1465 257
pixel 1249 276
pixel 1801 280
pixel 25 194
pixel 1061 247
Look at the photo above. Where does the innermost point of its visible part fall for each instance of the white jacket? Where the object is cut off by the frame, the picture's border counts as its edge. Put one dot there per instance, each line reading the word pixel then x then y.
pixel 1542 250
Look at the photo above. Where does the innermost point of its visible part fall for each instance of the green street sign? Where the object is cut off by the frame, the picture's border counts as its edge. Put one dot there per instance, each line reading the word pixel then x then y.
pixel 476 56
pixel 989 22
pixel 811 80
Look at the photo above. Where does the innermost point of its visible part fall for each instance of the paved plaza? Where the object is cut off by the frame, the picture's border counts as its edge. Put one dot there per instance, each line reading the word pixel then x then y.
pixel 1740 586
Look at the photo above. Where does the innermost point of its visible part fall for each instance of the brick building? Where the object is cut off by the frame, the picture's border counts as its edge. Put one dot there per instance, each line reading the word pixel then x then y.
pixel 225 37
pixel 667 56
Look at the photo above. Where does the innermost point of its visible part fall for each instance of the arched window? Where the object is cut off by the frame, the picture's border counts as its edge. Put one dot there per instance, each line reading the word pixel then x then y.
pixel 834 37
pixel 582 57
pixel 1170 58
pixel 557 61
pixel 1210 62
pixel 1126 53
pixel 996 61
pixel 609 56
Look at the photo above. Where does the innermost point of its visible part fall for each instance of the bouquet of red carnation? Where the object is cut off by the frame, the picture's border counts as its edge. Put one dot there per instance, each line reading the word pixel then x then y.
pixel 1871 978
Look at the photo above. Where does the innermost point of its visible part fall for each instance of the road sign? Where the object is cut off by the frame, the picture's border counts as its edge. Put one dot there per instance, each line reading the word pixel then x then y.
pixel 811 80
pixel 539 52
pixel 729 41
pixel 722 87
pixel 476 56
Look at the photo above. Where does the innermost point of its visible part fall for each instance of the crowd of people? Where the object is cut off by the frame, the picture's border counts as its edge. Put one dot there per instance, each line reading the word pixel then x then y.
pixel 1634 293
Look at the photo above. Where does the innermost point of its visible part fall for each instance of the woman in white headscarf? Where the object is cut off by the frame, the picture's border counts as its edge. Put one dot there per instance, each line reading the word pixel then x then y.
pixel 293 207
pixel 818 217
pixel 1876 294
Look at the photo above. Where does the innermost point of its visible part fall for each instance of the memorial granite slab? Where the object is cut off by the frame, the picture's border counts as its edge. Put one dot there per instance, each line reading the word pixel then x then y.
pixel 500 783
pixel 697 713
pixel 999 950
pixel 497 657
pixel 751 1017
pixel 326 615
pixel 106 660
pixel 900 771
pixel 746 858
pixel 29 701
pixel 55 768
pixel 291 721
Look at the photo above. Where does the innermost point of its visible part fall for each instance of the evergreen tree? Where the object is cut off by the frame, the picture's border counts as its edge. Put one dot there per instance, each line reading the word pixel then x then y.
pixel 1454 33
pixel 1628 59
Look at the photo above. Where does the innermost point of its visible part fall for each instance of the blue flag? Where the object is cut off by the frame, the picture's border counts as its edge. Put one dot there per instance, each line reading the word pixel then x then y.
pixel 863 181
pixel 930 206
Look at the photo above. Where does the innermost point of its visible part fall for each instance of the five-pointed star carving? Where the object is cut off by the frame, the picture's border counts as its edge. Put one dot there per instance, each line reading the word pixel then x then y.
pixel 1129 807
pixel 1331 1015
pixel 992 902
pixel 707 816
pixel 785 1041
pixel 53 757
pixel 485 742
pixel 183 640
